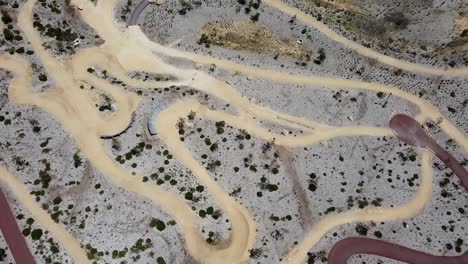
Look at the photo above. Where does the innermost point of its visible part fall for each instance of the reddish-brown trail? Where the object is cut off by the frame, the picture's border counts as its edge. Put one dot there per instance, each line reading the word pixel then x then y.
pixel 12 235
pixel 410 132
pixel 344 249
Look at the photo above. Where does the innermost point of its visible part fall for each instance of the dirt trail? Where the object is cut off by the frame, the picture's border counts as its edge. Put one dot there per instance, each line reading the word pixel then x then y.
pixel 126 50
pixel 404 65
pixel 59 233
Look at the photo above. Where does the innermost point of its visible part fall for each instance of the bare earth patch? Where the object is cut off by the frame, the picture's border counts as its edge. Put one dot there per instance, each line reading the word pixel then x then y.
pixel 249 36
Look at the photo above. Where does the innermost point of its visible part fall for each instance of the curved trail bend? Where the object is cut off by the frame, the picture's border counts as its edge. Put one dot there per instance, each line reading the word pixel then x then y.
pixel 367 52
pixel 408 130
pixel 311 21
pixel 345 248
pixel 126 50
pixel 133 20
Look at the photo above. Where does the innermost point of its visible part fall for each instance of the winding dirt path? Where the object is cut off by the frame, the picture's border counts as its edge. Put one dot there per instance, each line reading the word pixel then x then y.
pixel 311 21
pixel 367 52
pixel 127 49
pixel 410 132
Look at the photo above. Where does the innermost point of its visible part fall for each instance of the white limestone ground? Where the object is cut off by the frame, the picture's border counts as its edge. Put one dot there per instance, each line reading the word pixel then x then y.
pixel 111 221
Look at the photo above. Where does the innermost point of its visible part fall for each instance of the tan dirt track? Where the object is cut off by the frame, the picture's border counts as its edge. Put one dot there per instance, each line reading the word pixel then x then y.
pixel 128 49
